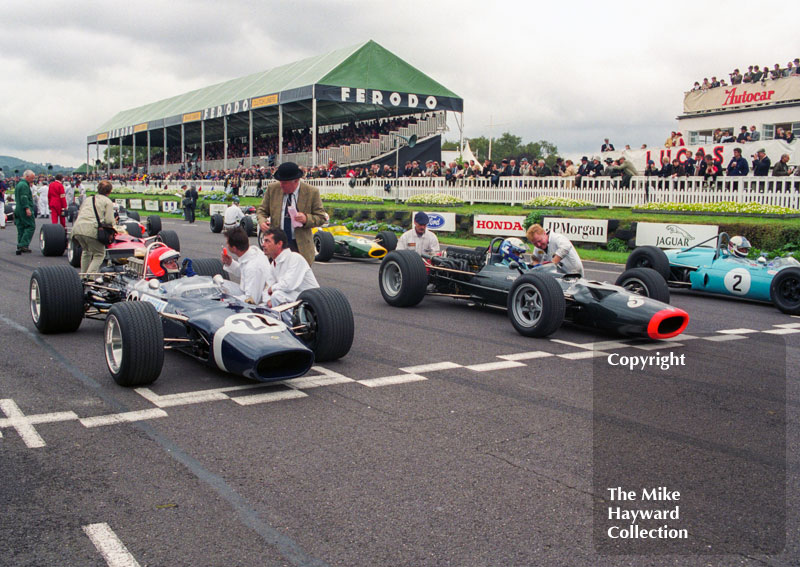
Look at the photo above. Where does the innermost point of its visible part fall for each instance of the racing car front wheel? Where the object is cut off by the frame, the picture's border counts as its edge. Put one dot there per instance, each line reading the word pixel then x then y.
pixel 387 239
pixel 249 226
pixel 208 267
pixel 403 278
pixel 52 239
pixel 153 225
pixel 74 252
pixel 649 257
pixel 170 238
pixel 217 221
pixel 133 215
pixel 325 322
pixel 646 282
pixel 536 305
pixel 785 291
pixel 133 341
pixel 134 229
pixel 325 244
pixel 56 296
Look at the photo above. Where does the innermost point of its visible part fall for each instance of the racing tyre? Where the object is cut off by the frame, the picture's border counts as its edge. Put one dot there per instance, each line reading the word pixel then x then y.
pixel 785 290
pixel 208 267
pixel 260 238
pixel 328 319
pixel 216 222
pixel 646 282
pixel 170 238
pixel 133 341
pixel 387 239
pixel 649 257
pixel 52 239
pixel 325 244
pixel 248 225
pixel 536 305
pixel 72 212
pixel 403 278
pixel 74 252
pixel 133 215
pixel 153 225
pixel 134 229
pixel 56 296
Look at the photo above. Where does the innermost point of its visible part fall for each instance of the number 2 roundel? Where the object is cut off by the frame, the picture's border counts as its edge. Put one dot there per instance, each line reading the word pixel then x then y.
pixel 737 281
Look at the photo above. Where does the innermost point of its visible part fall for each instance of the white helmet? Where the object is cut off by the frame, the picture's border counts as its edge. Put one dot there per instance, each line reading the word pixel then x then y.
pixel 739 246
pixel 512 249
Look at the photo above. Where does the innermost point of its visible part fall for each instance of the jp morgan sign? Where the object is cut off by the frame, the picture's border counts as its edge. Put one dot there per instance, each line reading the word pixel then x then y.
pixel 388 99
pixel 581 230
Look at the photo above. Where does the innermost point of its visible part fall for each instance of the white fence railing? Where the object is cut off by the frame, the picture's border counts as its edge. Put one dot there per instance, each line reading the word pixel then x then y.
pixel 602 192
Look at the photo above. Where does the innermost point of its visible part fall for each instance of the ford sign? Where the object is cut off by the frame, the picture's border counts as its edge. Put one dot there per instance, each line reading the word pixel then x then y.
pixel 435 220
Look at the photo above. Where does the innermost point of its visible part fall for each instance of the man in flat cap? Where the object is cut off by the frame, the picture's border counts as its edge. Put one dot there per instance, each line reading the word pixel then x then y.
pixel 293 206
pixel 419 239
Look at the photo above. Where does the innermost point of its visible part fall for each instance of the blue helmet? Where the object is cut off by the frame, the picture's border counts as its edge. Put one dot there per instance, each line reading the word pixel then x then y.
pixel 512 249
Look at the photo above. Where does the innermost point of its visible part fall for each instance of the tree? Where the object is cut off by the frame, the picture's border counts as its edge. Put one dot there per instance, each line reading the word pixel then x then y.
pixel 510 146
pixel 449 146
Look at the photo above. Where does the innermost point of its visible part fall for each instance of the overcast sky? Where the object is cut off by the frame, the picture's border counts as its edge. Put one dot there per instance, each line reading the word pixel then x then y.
pixel 571 73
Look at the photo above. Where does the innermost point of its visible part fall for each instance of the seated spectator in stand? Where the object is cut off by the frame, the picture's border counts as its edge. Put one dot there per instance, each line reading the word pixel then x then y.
pixel 779 135
pixel 608 171
pixel 789 70
pixel 607 146
pixel 761 163
pixel 670 141
pixel 714 83
pixel 514 168
pixel 788 136
pixel 738 165
pixel 569 169
pixel 689 163
pixel 543 170
pixel 407 169
pixel 727 138
pixel 596 168
pixel 796 72
pixel 711 170
pixel 706 85
pixel 679 142
pixel 525 167
pixel 626 169
pixel 505 169
pixel 696 86
pixel 776 73
pixel 781 168
pixel 666 168
pixel 651 170
pixel 699 164
pixel 716 136
pixel 335 172
pixel 742 137
pixel 678 170
pixel 736 77
pixel 644 147
pixel 754 135
pixel 583 170
pixel 558 168
pixel 757 74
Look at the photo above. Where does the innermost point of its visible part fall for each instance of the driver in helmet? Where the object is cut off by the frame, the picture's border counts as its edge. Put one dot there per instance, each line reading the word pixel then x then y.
pixel 739 247
pixel 162 263
pixel 233 216
pixel 512 249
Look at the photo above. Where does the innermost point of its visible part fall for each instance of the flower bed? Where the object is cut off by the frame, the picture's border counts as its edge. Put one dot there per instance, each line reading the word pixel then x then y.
pixel 558 203
pixel 723 208
pixel 341 198
pixel 434 199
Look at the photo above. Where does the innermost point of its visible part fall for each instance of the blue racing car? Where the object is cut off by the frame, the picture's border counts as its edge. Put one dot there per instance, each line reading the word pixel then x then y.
pixel 725 269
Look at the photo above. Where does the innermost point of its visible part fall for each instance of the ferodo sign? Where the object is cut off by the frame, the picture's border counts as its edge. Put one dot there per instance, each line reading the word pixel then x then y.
pixel 445 222
pixel 498 225
pixel 675 235
pixel 580 230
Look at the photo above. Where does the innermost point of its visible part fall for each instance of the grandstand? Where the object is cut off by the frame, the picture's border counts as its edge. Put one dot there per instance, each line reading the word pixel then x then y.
pixel 287 114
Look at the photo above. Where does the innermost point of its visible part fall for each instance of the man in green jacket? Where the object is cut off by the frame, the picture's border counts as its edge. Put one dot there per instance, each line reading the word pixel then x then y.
pixel 23 214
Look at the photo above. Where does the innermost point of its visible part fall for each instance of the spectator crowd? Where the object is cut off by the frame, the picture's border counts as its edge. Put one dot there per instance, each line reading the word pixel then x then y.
pixel 754 74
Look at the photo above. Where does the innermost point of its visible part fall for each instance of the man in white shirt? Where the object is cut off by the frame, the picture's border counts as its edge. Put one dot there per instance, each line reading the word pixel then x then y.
pixel 290 274
pixel 555 248
pixel 419 239
pixel 247 263
pixel 233 215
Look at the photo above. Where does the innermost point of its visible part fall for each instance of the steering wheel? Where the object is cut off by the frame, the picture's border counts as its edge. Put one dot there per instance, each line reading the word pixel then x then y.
pixel 497 239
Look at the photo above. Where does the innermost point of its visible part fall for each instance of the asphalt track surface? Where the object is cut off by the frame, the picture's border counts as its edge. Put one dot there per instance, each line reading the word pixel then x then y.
pixel 443 438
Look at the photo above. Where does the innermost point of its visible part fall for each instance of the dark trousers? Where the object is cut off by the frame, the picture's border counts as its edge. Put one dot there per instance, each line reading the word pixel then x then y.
pixel 189 213
pixel 26 226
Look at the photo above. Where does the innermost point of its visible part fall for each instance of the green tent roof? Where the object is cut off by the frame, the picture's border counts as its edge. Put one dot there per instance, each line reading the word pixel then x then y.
pixel 367 65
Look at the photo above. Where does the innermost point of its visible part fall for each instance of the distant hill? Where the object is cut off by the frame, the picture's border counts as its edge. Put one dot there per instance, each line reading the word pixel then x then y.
pixel 9 164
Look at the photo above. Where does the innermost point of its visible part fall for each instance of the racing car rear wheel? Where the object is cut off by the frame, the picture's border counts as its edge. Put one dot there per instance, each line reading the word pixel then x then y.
pixel 785 291
pixel 649 257
pixel 387 239
pixel 208 267
pixel 74 252
pixel 133 215
pixel 134 343
pixel 536 305
pixel 216 223
pixel 325 244
pixel 326 322
pixel 153 225
pixel 646 282
pixel 52 239
pixel 56 296
pixel 170 238
pixel 403 278
pixel 248 225
pixel 72 212
pixel 134 229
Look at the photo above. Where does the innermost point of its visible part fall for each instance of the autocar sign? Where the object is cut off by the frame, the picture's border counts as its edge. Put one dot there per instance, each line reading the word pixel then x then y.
pixel 671 235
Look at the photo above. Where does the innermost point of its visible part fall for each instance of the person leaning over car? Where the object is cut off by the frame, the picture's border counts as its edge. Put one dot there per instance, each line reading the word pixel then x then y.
pixel 554 247
pixel 289 275
pixel 84 230
pixel 419 239
pixel 290 195
pixel 247 263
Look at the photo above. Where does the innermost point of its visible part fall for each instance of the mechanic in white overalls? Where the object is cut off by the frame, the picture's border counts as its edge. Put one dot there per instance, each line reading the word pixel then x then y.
pixel 233 216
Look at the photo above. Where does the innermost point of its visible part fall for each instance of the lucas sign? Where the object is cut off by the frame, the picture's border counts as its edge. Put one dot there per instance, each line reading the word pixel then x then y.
pixel 578 230
pixel 674 235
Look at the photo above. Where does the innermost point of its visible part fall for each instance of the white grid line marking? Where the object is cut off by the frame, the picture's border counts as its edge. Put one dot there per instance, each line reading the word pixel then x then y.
pixel 127 417
pixel 431 367
pixel 110 546
pixel 391 380
pixel 489 366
